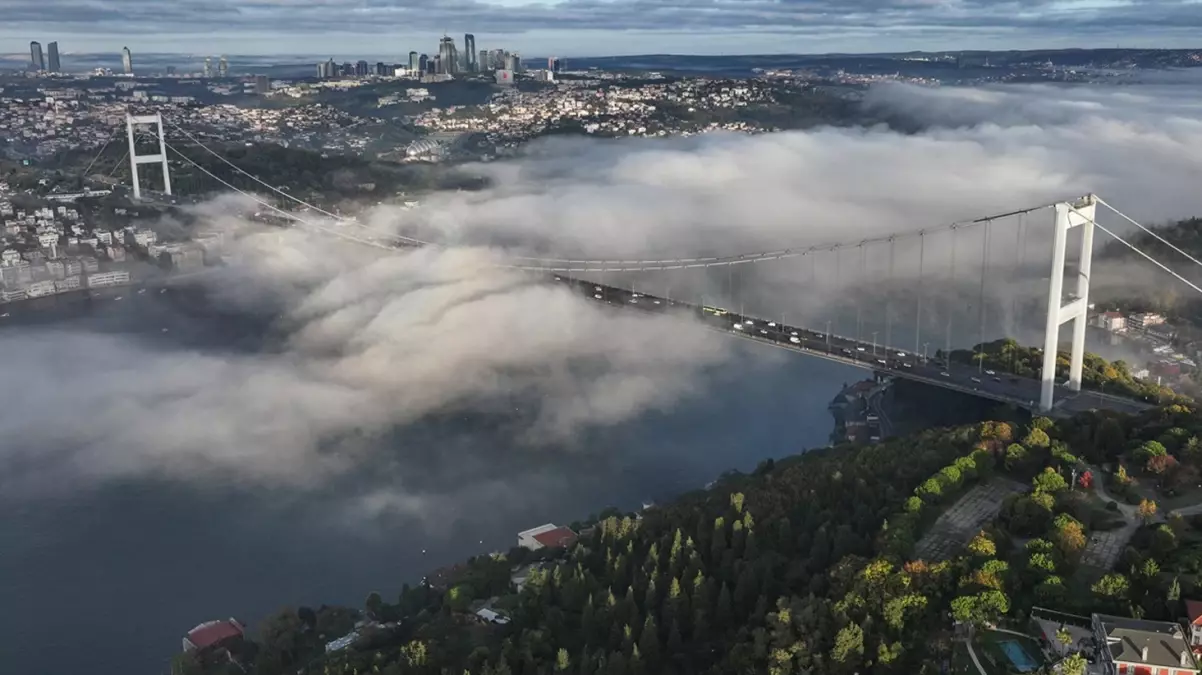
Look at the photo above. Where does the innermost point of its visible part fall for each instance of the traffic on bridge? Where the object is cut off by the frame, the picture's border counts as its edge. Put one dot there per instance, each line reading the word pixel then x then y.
pixel 975 381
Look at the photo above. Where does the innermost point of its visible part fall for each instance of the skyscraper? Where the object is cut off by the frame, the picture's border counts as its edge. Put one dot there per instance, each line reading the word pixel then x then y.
pixel 423 62
pixel 127 61
pixel 448 56
pixel 469 52
pixel 223 68
pixel 35 56
pixel 208 67
pixel 484 63
pixel 361 68
pixel 414 62
pixel 382 69
pixel 52 50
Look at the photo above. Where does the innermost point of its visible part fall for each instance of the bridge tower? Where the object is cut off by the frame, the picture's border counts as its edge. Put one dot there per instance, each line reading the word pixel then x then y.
pixel 1068 216
pixel 160 158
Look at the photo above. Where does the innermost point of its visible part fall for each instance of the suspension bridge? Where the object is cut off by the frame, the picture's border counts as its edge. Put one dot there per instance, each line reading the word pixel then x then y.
pixel 909 309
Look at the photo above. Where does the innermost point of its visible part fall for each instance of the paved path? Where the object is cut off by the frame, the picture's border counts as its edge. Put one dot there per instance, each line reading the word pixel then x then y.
pixel 964 519
pixel 1104 548
pixel 972 653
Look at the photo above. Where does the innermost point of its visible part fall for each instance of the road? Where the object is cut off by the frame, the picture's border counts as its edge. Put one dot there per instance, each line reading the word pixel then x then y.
pixel 1020 391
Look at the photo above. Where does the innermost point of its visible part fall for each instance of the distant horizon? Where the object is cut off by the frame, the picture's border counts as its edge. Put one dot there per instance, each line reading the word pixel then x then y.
pixel 306 57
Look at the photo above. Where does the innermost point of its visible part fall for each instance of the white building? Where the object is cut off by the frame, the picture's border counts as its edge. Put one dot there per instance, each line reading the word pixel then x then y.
pixel 38 289
pixel 489 616
pixel 103 279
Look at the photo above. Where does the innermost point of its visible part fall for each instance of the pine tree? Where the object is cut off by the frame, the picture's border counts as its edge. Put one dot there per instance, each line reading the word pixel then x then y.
pixel 649 643
pixel 725 608
pixel 675 642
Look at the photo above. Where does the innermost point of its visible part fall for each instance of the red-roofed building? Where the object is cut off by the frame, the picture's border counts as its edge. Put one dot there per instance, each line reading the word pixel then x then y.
pixel 546 536
pixel 1193 618
pixel 213 634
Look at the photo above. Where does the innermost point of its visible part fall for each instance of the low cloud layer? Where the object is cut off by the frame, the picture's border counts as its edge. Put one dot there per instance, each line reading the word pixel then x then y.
pixel 367 342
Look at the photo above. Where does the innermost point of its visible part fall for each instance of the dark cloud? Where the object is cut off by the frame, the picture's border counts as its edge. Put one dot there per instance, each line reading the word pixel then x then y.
pixel 1028 18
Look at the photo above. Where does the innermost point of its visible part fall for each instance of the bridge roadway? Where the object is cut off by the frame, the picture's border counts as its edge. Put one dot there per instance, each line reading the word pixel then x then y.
pixel 1001 387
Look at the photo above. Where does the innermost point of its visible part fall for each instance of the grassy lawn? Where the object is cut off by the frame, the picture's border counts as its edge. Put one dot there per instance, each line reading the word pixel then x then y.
pixel 994 659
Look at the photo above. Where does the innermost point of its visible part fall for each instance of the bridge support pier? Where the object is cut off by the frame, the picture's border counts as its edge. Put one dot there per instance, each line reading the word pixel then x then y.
pixel 135 159
pixel 1068 216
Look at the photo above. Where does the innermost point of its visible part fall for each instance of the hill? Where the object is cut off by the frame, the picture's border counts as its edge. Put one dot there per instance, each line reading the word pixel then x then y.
pixel 836 561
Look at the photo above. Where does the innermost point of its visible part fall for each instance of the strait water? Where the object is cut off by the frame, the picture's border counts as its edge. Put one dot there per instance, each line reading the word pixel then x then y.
pixel 106 580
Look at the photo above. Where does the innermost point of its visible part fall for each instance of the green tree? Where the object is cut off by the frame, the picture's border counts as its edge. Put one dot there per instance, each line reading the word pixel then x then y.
pixel 1049 481
pixel 1073 664
pixel 849 644
pixel 982 546
pixel 1111 586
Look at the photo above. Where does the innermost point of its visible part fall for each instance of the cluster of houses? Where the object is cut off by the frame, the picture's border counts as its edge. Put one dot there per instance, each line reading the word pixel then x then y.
pixel 1116 645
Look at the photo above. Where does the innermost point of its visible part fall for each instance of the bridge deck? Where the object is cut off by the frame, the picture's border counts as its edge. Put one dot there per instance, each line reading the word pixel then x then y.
pixel 972 380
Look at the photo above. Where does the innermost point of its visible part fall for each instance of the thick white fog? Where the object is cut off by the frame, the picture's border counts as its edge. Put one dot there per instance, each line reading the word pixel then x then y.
pixel 375 340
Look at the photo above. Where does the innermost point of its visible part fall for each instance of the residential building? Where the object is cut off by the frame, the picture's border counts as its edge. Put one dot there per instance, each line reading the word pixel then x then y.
pixel 1136 647
pixel 38 289
pixel 103 279
pixel 1193 621
pixel 213 634
pixel 546 536
pixel 489 616
pixel 1112 321
pixel 1142 321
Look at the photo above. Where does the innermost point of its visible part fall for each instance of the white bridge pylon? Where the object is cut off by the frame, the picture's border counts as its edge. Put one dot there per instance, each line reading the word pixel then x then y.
pixel 135 159
pixel 1069 215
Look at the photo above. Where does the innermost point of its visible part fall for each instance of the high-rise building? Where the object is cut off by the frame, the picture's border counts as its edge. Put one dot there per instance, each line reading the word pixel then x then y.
pixel 127 61
pixel 208 67
pixel 52 52
pixel 554 64
pixel 469 52
pixel 483 63
pixel 361 68
pixel 262 85
pixel 448 56
pixel 170 70
pixel 382 69
pixel 321 70
pixel 331 68
pixel 348 69
pixel 35 56
pixel 414 62
pixel 423 63
pixel 223 68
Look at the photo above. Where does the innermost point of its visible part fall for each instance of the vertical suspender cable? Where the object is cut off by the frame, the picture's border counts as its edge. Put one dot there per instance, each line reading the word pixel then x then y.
pixel 947 355
pixel 981 299
pixel 889 303
pixel 922 251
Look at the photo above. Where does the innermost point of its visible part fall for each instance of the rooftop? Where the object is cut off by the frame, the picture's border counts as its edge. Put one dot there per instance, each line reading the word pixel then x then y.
pixel 212 632
pixel 560 536
pixel 1164 641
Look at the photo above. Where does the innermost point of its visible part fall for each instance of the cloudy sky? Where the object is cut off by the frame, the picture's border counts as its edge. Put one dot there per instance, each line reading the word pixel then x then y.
pixel 596 27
